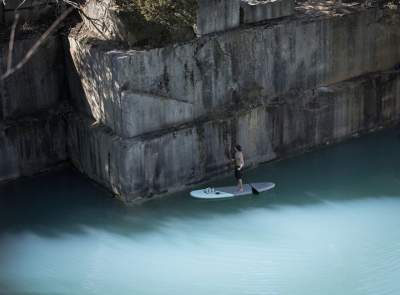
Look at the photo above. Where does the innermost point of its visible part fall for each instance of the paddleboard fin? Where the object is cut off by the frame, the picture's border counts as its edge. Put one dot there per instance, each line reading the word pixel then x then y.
pixel 254 191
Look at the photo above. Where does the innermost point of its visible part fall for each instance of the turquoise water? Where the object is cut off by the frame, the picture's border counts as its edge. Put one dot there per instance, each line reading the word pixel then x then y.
pixel 332 226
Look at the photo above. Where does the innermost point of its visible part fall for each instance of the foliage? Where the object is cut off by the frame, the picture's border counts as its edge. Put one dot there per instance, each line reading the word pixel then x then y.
pixel 159 22
pixel 174 14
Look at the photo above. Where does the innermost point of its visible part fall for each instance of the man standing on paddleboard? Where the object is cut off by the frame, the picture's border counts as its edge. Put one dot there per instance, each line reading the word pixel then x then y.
pixel 239 163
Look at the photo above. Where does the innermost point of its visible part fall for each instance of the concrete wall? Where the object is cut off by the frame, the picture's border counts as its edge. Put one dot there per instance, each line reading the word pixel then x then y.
pixel 32 123
pixel 217 16
pixel 169 159
pixel 235 67
pixel 152 121
pixel 253 11
pixel 39 85
pixel 31 145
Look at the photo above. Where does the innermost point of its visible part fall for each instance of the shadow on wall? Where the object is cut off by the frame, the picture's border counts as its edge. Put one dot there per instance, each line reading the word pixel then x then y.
pixel 67 203
pixel 74 82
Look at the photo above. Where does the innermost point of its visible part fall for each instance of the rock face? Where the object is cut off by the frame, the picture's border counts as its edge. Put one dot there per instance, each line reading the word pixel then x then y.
pixel 135 168
pixel 31 145
pixel 107 21
pixel 156 120
pixel 32 127
pixel 38 85
pixel 260 10
pixel 104 22
pixel 235 67
pixel 146 122
pixel 217 16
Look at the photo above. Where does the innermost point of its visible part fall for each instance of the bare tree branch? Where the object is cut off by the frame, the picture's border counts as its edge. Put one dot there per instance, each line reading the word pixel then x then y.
pixel 11 43
pixel 73 4
pixel 10 69
pixel 38 43
pixel 19 6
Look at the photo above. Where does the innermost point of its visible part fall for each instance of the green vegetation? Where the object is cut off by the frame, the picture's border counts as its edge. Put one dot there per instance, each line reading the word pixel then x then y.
pixel 158 22
pixel 171 13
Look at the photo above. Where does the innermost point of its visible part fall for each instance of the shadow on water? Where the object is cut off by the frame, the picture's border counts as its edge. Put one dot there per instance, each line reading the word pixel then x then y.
pixel 67 203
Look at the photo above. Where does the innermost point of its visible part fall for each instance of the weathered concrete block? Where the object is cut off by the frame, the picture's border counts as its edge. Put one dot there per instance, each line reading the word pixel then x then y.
pixel 142 113
pixel 217 15
pixel 31 145
pixel 39 85
pixel 169 159
pixel 134 167
pixel 253 11
pixel 215 72
pixel 113 110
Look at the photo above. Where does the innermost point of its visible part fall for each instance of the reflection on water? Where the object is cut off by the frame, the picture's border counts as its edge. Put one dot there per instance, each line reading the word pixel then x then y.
pixel 330 227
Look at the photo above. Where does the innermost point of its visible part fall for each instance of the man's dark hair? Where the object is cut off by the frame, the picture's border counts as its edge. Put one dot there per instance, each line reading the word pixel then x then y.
pixel 238 147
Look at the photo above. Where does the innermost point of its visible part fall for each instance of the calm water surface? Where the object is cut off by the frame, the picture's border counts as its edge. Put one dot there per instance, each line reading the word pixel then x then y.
pixel 332 226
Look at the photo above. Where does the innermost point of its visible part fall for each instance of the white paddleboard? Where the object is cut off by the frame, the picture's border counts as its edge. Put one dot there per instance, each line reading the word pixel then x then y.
pixel 232 191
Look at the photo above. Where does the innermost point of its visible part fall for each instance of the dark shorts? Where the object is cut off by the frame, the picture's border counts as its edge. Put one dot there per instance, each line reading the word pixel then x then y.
pixel 238 173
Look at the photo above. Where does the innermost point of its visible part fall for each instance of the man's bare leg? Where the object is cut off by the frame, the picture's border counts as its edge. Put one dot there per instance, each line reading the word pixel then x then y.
pixel 240 185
